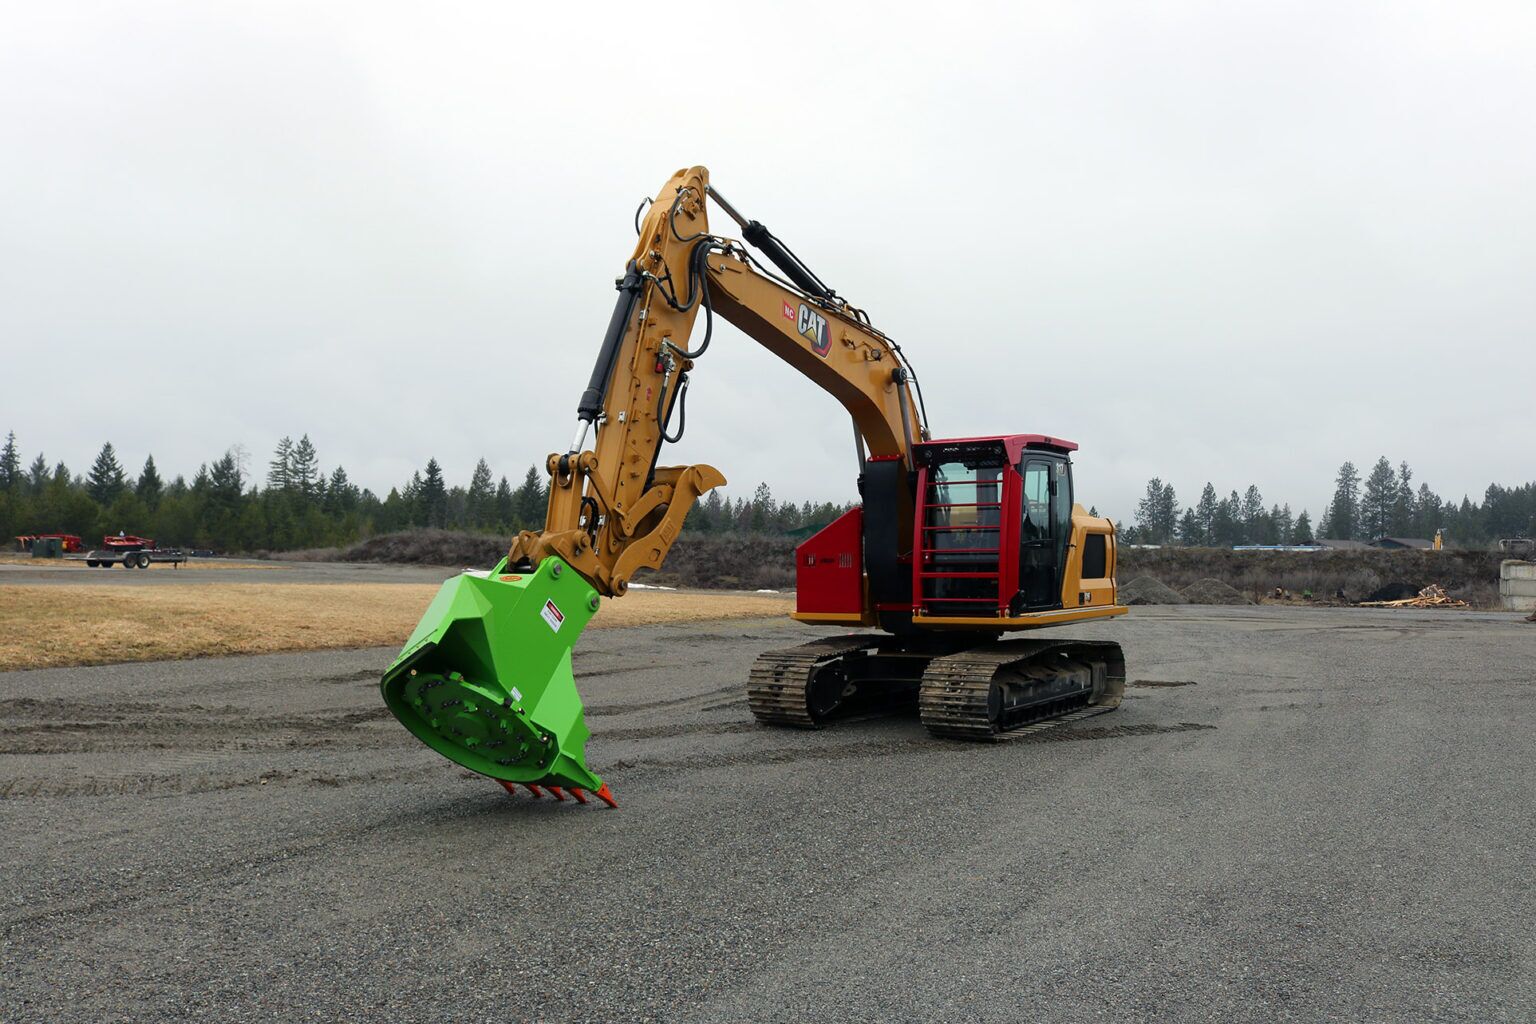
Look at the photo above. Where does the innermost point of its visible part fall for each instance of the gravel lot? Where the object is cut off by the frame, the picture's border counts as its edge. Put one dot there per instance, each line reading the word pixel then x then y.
pixel 1296 815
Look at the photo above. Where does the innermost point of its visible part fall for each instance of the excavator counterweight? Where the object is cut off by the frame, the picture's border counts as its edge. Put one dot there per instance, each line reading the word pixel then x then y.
pixel 955 542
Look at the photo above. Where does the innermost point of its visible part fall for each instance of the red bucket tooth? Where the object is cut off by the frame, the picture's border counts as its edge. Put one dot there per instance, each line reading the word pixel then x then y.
pixel 533 789
pixel 554 791
pixel 510 787
pixel 577 794
pixel 606 796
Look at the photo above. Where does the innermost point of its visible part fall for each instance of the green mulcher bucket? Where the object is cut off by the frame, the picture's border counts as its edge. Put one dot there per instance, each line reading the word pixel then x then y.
pixel 485 680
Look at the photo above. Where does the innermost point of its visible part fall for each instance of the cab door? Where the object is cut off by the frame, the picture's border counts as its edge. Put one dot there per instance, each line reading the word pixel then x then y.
pixel 1039 540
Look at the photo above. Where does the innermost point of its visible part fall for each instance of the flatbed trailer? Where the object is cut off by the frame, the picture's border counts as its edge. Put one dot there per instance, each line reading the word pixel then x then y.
pixel 137 558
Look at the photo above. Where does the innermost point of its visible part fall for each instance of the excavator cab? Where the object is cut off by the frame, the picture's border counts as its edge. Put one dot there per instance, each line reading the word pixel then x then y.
pixel 994 521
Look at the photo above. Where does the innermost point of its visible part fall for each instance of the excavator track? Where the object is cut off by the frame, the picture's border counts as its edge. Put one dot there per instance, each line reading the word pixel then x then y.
pixel 779 688
pixel 1006 687
pixel 986 692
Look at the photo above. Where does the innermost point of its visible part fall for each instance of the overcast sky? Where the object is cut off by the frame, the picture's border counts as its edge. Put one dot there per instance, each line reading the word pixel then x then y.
pixel 1237 242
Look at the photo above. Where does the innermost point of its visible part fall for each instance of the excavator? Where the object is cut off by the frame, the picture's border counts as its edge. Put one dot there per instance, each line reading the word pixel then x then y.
pixel 954 543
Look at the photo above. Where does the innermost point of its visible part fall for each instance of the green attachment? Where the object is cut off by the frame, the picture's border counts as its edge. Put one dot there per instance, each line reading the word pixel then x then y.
pixel 485 680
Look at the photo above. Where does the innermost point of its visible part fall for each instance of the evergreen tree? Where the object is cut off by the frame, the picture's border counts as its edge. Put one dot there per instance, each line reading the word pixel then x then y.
pixel 1280 515
pixel 1226 523
pixel 225 485
pixel 529 501
pixel 304 471
pixel 762 508
pixel 1205 515
pixel 480 501
pixel 280 469
pixel 37 476
pixel 1377 502
pixel 712 515
pixel 1252 515
pixel 1190 530
pixel 1148 510
pixel 10 464
pixel 1342 517
pixel 410 500
pixel 505 505
pixel 149 484
pixel 1426 512
pixel 106 480
pixel 1403 512
pixel 1302 532
pixel 457 514
pixel 433 496
pixel 341 496
pixel 1157 513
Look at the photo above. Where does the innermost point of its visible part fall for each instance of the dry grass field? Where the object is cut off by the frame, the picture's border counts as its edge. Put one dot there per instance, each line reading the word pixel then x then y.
pixel 51 627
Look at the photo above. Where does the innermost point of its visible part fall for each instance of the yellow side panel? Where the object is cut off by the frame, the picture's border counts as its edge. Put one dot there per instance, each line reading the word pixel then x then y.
pixel 1029 620
pixel 833 618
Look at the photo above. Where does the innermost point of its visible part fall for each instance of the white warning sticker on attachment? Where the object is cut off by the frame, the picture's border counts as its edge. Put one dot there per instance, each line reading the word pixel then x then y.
pixel 552 615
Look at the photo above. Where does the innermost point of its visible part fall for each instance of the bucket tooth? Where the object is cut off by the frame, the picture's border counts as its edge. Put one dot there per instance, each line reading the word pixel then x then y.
pixel 510 787
pixel 577 794
pixel 554 791
pixel 606 796
pixel 534 789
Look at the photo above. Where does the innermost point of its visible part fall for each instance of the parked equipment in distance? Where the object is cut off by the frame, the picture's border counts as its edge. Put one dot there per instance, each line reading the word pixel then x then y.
pixel 132 552
pixel 68 542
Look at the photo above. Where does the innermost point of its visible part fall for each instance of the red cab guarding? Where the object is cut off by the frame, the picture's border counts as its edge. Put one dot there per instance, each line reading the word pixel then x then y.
pixel 829 567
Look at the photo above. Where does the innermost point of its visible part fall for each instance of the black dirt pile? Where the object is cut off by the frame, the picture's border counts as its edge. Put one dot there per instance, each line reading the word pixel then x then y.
pixel 1209 591
pixel 455 548
pixel 1146 590
pixel 431 547
pixel 742 561
pixel 727 561
pixel 1469 575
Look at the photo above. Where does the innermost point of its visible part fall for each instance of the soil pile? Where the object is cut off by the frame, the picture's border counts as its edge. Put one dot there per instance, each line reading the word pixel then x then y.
pixel 1212 591
pixel 1147 590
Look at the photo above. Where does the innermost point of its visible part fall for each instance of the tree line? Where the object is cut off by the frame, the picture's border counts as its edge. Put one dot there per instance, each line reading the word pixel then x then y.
pixel 299 505
pixel 1382 504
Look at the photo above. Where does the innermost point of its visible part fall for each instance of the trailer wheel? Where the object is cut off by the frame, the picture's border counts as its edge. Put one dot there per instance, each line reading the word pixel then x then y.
pixel 92 562
pixel 143 559
pixel 130 559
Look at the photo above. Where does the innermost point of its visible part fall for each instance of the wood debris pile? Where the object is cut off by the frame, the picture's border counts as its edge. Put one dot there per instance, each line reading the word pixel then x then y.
pixel 1432 596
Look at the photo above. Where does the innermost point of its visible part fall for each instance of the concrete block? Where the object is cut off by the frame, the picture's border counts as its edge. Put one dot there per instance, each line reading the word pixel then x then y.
pixel 1511 569
pixel 1517 588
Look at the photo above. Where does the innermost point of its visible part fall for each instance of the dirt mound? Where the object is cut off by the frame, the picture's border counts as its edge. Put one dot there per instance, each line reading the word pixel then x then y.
pixel 733 561
pixel 1470 575
pixel 1147 590
pixel 1212 591
pixel 430 547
